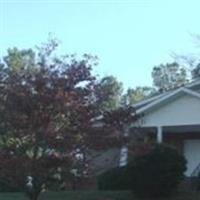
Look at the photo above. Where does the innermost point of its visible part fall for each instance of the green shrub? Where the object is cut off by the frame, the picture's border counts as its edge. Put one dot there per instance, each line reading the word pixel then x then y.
pixel 114 179
pixel 195 182
pixel 157 172
pixel 6 187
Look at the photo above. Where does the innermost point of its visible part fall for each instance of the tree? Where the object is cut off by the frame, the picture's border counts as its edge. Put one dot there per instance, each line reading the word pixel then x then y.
pixel 169 76
pixel 191 60
pixel 109 92
pixel 196 72
pixel 49 119
pixel 20 59
pixel 139 93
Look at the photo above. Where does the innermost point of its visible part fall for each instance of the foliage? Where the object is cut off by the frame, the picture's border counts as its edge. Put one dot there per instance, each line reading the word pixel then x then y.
pixel 157 172
pixel 109 93
pixel 49 112
pixel 169 76
pixel 195 182
pixel 20 59
pixel 137 94
pixel 115 179
pixel 5 186
pixel 196 72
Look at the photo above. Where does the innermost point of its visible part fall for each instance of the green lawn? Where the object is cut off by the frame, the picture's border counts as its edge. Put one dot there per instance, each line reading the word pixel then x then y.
pixel 93 195
pixel 87 195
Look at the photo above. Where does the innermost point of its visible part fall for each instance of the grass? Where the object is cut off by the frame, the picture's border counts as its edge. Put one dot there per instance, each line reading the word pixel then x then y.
pixel 94 195
pixel 79 195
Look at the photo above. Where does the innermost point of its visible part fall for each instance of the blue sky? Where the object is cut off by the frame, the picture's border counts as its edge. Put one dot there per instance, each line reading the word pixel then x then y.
pixel 129 36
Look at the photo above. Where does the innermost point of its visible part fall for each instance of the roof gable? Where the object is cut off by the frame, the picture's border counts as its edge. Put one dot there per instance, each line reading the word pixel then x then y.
pixel 165 98
pixel 183 110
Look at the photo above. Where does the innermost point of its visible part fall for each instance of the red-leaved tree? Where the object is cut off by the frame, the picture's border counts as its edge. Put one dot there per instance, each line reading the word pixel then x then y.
pixel 49 118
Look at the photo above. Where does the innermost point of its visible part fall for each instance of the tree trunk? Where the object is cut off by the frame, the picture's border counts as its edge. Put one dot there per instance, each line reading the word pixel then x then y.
pixel 34 196
pixel 74 184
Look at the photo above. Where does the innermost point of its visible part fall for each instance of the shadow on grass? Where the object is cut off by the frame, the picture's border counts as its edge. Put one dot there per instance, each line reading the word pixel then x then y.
pixel 97 195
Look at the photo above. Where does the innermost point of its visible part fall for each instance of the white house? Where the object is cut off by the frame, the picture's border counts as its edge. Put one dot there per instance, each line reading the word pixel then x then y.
pixel 174 117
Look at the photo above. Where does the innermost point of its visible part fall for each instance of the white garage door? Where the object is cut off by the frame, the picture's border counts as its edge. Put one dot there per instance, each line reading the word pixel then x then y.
pixel 192 155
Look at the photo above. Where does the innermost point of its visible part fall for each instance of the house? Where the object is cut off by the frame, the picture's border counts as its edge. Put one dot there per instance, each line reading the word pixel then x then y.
pixel 174 117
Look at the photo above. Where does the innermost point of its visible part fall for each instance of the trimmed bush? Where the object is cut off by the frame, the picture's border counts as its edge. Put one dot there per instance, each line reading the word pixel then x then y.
pixel 114 179
pixel 157 172
pixel 195 182
pixel 6 187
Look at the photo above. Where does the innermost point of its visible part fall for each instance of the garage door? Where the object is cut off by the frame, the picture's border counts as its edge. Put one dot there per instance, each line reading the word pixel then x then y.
pixel 192 155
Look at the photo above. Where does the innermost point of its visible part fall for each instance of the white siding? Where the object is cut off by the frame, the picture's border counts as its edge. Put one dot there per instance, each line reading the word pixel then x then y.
pixel 182 111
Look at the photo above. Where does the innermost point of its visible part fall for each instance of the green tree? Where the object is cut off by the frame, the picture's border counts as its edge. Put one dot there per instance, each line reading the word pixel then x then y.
pixel 109 92
pixel 169 76
pixel 20 59
pixel 196 72
pixel 139 93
